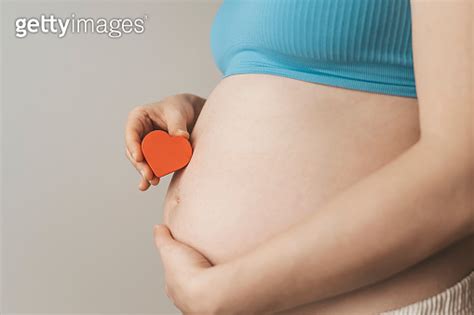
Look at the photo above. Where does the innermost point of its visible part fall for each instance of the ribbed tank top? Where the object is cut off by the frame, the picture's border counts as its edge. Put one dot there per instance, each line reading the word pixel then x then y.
pixel 356 44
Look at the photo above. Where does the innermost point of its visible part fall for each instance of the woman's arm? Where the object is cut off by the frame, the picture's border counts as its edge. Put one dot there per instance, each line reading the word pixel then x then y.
pixel 399 215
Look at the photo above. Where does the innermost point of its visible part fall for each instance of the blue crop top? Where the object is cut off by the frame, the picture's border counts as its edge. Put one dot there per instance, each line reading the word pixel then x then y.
pixel 355 44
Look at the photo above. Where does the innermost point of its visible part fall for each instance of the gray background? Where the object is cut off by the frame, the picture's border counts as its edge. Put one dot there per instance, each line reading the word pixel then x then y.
pixel 76 232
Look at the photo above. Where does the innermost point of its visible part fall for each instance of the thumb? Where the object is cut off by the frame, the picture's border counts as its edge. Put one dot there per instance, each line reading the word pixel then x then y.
pixel 176 123
pixel 162 236
pixel 175 254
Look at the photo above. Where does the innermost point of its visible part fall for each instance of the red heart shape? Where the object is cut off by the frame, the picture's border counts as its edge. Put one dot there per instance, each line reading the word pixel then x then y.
pixel 164 153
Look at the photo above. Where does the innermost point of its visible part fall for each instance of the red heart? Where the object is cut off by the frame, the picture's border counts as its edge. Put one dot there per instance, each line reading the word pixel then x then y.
pixel 164 153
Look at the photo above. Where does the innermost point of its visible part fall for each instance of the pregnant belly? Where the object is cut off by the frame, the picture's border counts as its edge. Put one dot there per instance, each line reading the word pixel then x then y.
pixel 270 150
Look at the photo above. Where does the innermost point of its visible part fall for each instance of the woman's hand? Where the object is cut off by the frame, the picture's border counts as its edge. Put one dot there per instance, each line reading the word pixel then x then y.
pixel 175 114
pixel 187 274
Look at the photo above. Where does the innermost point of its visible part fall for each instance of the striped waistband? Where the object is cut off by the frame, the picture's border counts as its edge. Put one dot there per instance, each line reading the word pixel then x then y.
pixel 456 300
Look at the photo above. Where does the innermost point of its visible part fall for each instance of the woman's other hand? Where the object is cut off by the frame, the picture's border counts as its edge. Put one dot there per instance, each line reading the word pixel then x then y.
pixel 175 114
pixel 188 282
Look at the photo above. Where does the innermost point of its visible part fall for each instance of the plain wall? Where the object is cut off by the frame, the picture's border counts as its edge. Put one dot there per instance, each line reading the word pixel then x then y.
pixel 77 233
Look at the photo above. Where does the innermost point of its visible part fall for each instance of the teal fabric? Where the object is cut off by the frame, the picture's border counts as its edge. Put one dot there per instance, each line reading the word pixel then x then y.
pixel 356 44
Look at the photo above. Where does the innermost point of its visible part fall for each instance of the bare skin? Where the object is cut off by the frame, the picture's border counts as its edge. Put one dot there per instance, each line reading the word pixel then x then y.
pixel 342 200
pixel 266 158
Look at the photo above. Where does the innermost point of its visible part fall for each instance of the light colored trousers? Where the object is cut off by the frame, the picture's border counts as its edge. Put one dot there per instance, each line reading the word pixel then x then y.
pixel 456 300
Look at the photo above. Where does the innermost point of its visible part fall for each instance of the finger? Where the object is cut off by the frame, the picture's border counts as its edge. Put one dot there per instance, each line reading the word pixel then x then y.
pixel 162 236
pixel 138 124
pixel 169 293
pixel 176 255
pixel 130 158
pixel 144 184
pixel 142 167
pixel 146 171
pixel 176 123
pixel 155 181
pixel 133 137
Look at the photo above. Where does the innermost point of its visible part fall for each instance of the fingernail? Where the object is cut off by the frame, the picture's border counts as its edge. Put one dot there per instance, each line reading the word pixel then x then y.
pixel 133 155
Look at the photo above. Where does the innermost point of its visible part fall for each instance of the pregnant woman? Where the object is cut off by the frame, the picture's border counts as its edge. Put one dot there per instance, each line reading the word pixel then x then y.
pixel 323 179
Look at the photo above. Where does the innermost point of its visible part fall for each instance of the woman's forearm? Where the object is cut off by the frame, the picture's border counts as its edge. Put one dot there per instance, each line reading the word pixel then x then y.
pixel 409 209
